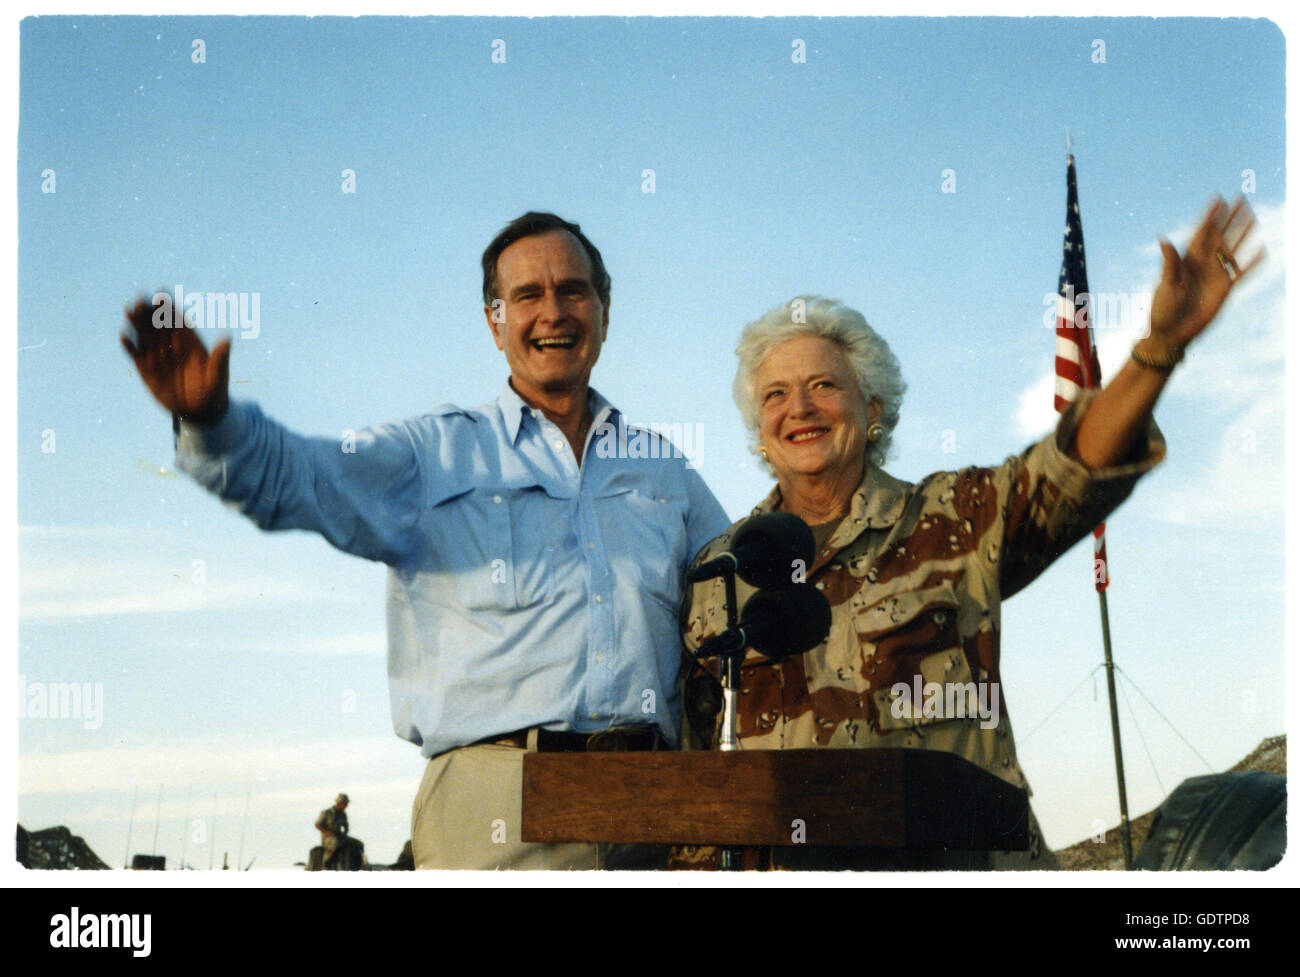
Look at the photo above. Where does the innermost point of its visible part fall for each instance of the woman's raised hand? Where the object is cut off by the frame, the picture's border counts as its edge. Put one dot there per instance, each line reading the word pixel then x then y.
pixel 1194 285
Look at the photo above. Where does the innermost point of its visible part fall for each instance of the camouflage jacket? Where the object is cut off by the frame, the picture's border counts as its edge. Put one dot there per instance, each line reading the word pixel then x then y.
pixel 915 576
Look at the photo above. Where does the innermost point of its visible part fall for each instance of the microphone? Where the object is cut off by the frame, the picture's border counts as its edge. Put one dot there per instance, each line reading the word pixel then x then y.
pixel 763 552
pixel 777 623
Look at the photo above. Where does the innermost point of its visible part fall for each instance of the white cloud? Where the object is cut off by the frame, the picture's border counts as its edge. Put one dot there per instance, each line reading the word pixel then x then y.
pixel 219 763
pixel 32 533
pixel 374 643
pixel 107 590
pixel 1035 415
pixel 378 794
pixel 1244 484
pixel 99 571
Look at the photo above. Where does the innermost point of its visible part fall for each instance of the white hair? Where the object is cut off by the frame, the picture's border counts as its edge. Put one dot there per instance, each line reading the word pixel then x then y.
pixel 874 364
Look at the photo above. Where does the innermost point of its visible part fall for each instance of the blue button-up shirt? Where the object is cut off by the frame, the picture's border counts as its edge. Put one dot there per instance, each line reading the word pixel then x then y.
pixel 523 590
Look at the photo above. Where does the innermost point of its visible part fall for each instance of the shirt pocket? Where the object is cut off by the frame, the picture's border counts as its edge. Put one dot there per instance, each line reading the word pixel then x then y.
pixel 542 537
pixel 470 543
pixel 645 541
pixel 502 547
pixel 911 645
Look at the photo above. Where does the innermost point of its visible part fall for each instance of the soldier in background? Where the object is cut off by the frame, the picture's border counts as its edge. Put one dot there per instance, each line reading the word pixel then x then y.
pixel 333 827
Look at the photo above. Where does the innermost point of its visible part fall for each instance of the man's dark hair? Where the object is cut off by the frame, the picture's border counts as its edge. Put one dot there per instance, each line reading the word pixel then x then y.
pixel 537 222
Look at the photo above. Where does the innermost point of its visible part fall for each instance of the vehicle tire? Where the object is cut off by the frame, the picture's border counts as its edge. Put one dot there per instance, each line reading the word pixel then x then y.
pixel 1219 822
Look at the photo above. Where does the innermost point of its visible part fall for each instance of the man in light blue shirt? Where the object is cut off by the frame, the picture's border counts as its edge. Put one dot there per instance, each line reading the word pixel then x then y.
pixel 535 564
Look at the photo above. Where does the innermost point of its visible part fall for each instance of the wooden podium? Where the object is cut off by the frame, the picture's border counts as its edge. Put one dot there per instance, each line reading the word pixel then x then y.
pixel 904 798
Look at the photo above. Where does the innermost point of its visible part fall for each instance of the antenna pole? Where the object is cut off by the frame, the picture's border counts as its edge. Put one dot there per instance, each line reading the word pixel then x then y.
pixel 212 841
pixel 126 859
pixel 185 826
pixel 240 860
pixel 156 816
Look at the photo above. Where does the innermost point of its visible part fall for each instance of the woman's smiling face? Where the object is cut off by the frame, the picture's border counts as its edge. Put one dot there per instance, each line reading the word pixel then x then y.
pixel 812 417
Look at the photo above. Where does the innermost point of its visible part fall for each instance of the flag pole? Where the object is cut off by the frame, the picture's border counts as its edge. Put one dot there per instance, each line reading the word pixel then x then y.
pixel 1125 829
pixel 1077 369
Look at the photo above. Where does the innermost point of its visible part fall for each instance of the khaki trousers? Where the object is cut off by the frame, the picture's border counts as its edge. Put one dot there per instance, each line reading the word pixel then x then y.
pixel 467 815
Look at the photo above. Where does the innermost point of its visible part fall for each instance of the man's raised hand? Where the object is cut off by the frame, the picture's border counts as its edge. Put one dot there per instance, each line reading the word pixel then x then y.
pixel 174 364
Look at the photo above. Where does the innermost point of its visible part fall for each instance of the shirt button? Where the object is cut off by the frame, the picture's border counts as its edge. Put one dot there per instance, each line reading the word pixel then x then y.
pixel 591 546
pixel 600 599
pixel 600 658
pixel 594 715
pixel 558 445
pixel 496 499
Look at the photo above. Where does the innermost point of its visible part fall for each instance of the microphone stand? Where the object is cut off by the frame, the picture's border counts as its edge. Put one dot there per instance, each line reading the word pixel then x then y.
pixel 729 673
pixel 760 553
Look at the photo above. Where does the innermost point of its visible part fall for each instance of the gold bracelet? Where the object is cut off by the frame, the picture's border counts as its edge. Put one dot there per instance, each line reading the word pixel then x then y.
pixel 1173 355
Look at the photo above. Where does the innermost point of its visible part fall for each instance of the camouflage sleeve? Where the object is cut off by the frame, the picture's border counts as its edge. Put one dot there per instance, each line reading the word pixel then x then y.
pixel 1046 501
pixel 703 613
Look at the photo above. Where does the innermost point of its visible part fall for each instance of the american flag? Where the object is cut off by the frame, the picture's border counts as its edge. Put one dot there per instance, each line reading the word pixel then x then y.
pixel 1077 367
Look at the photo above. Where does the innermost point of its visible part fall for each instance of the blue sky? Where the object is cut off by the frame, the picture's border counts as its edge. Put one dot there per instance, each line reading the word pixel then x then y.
pixel 245 669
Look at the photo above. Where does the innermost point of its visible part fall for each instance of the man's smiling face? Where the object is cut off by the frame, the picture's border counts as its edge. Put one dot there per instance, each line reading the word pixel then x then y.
pixel 554 322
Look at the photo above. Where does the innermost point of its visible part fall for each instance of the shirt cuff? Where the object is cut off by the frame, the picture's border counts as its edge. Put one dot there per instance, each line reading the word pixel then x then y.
pixel 1073 476
pixel 213 440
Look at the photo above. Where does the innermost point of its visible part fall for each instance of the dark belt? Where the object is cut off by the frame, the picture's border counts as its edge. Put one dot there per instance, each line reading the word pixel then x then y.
pixel 619 739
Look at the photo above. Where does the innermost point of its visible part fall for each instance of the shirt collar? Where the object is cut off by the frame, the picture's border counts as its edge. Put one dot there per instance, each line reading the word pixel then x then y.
pixel 878 502
pixel 513 408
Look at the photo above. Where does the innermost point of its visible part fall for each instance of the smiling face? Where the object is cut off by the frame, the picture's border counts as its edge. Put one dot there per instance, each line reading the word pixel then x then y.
pixel 554 322
pixel 812 418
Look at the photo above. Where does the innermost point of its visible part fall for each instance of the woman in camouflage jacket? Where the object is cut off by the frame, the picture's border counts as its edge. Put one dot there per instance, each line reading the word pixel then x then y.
pixel 916 574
